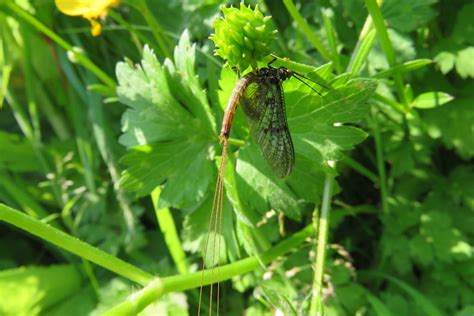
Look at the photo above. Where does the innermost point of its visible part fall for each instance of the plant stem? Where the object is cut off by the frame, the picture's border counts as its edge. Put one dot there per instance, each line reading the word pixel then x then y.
pixel 168 228
pixel 323 225
pixel 28 75
pixel 22 197
pixel 380 163
pixel 360 168
pixel 362 48
pixel 136 37
pixel 36 144
pixel 73 245
pixel 155 27
pixel 394 104
pixel 236 142
pixel 290 6
pixel 136 302
pixel 374 10
pixel 332 39
pixel 78 55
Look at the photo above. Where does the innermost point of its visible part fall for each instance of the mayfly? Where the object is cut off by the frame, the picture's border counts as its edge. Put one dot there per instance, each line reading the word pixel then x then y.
pixel 260 94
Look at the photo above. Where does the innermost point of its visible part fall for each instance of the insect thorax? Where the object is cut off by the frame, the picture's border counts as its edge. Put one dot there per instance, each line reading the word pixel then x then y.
pixel 274 75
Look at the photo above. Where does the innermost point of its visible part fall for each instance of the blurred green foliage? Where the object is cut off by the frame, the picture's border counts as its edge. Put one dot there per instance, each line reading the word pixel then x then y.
pixel 84 157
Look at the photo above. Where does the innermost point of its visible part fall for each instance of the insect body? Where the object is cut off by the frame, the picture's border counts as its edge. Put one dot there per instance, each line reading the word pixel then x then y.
pixel 261 96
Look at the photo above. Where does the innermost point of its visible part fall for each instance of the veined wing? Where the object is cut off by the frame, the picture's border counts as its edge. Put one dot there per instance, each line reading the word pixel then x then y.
pixel 264 106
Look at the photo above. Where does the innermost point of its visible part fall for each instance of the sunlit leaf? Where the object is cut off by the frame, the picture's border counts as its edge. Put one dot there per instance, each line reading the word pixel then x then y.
pixel 169 128
pixel 431 99
pixel 445 61
pixel 465 62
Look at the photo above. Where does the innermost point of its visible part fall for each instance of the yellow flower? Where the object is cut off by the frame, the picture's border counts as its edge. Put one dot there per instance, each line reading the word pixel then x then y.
pixel 90 10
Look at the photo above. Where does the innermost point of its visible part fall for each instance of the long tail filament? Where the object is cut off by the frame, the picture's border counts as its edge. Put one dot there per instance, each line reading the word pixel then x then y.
pixel 216 219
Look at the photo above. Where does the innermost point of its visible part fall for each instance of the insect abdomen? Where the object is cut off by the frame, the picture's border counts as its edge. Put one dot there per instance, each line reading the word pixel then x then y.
pixel 232 104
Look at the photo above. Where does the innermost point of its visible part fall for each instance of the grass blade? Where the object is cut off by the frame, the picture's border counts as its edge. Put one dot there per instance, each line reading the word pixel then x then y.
pixel 402 68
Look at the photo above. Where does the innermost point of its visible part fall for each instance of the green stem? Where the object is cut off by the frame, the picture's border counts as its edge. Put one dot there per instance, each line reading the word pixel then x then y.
pixel 137 37
pixel 37 146
pixel 28 75
pixel 83 140
pixel 236 142
pixel 362 48
pixel 374 10
pixel 78 55
pixel 323 225
pixel 73 245
pixel 52 114
pixel 168 228
pixel 139 300
pixel 20 117
pixel 360 169
pixel 23 198
pixel 290 6
pixel 394 104
pixel 402 68
pixel 332 39
pixel 158 33
pixel 6 64
pixel 380 163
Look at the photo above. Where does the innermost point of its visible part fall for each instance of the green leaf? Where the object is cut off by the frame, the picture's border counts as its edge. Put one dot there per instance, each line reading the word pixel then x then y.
pixel 28 291
pixel 232 194
pixel 466 311
pixel 259 188
pixel 278 300
pixel 421 300
pixel 463 30
pixel 402 158
pixel 408 15
pixel 319 125
pixel 362 50
pixel 378 305
pixel 465 62
pixel 17 154
pixel 81 303
pixel 169 128
pixel 430 100
pixel 453 124
pixel 421 250
pixel 445 61
pixel 197 229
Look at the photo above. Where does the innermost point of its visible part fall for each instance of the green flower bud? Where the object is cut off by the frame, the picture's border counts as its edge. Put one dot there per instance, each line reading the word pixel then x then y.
pixel 242 36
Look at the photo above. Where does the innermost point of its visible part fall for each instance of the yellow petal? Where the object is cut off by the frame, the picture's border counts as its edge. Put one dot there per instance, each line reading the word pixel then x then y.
pixel 96 28
pixel 86 8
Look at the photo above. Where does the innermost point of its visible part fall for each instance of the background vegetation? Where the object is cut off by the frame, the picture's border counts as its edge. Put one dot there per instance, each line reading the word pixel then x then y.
pixel 83 151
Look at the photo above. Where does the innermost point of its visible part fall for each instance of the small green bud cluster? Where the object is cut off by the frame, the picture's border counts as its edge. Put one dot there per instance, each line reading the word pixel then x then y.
pixel 242 36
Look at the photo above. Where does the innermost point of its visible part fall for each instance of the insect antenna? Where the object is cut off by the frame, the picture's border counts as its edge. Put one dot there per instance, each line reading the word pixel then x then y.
pixel 296 75
pixel 271 62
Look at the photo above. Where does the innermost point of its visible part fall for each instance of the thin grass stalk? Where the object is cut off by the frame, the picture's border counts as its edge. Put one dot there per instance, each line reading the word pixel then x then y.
pixel 322 236
pixel 379 22
pixel 380 161
pixel 306 29
pixel 168 228
pixel 79 56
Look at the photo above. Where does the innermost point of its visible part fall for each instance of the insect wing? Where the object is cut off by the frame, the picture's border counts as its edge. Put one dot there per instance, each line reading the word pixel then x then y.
pixel 264 106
